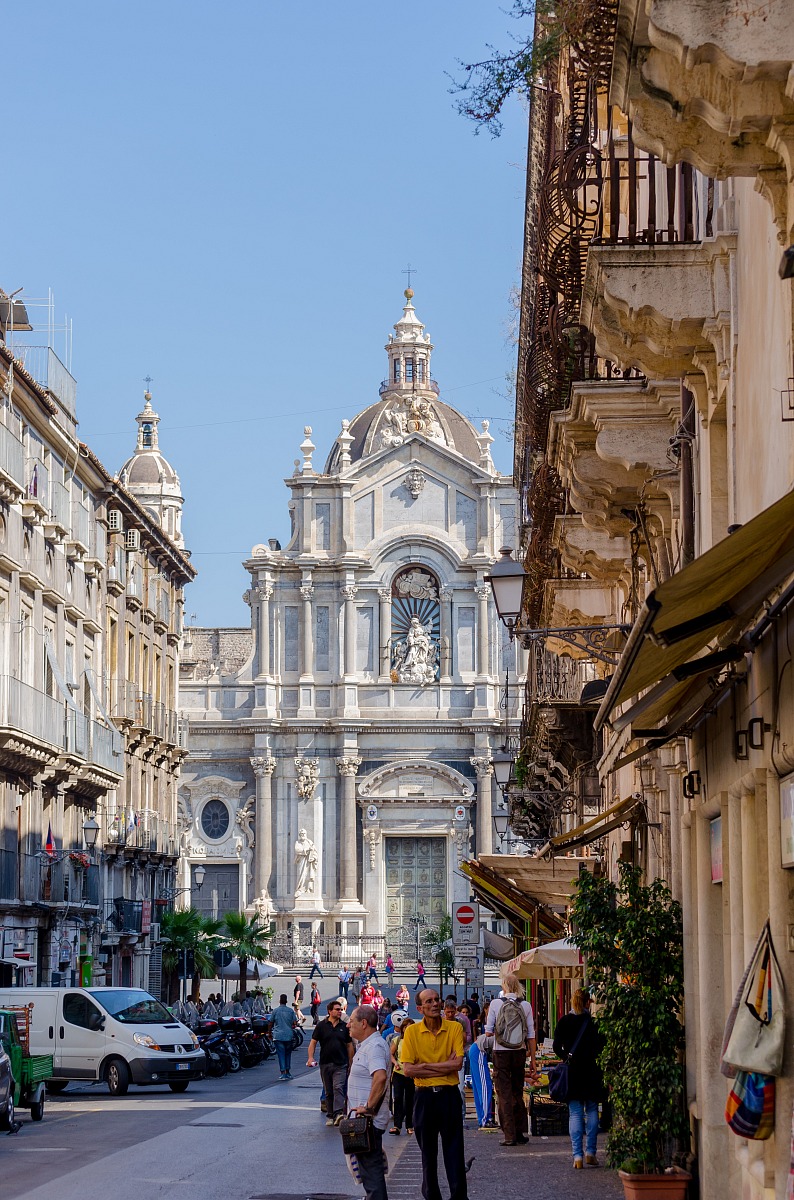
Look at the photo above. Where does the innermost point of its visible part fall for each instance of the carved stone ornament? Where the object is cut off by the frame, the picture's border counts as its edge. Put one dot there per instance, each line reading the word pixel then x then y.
pixel 412 415
pixel 373 836
pixel 416 655
pixel 348 765
pixel 416 584
pixel 264 591
pixel 349 591
pixel 482 765
pixel 308 774
pixel 414 482
pixel 263 765
pixel 462 837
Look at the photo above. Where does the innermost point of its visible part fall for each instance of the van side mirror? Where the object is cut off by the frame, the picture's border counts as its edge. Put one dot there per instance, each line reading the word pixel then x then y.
pixel 96 1022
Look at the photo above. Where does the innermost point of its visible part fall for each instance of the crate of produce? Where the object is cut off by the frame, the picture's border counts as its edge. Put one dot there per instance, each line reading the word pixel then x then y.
pixel 547 1118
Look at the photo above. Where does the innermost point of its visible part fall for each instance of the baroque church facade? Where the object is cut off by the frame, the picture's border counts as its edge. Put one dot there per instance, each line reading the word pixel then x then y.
pixel 340 745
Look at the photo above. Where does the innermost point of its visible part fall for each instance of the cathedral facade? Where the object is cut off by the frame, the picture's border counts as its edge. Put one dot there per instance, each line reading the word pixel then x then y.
pixel 340 745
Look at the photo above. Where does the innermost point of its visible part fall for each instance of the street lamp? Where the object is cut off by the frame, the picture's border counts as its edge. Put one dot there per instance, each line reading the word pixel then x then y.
pixel 507 584
pixel 501 823
pixel 90 833
pixel 198 880
pixel 502 761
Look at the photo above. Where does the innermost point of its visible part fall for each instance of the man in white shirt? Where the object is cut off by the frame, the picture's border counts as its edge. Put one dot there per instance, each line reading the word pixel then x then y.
pixel 367 1092
pixel 316 960
pixel 514 1038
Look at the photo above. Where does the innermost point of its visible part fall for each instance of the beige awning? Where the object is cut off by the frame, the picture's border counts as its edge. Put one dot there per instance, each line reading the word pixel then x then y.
pixel 590 831
pixel 713 599
pixel 553 960
pixel 550 882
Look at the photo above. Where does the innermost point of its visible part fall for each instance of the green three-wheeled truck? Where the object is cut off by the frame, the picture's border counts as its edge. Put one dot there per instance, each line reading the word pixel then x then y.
pixel 30 1071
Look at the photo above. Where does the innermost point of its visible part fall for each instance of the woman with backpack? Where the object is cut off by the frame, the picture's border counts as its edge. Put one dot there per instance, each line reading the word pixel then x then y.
pixel 511 1022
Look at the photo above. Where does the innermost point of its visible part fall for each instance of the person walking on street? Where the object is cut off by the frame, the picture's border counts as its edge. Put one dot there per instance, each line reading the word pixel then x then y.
pixel 432 1055
pixel 372 969
pixel 390 970
pixel 361 981
pixel 336 1051
pixel 420 973
pixel 344 976
pixel 367 1089
pixel 315 1003
pixel 402 1087
pixel 316 964
pixel 282 1027
pixel 585 1081
pixel 511 1022
pixel 297 999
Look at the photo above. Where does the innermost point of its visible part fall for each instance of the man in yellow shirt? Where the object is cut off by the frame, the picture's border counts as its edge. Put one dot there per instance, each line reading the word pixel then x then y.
pixel 432 1055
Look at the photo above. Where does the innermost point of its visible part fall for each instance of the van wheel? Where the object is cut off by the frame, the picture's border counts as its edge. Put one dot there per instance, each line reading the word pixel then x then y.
pixel 7 1118
pixel 180 1086
pixel 117 1077
pixel 56 1086
pixel 37 1110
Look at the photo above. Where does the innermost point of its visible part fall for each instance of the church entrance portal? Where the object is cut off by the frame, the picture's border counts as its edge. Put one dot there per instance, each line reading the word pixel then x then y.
pixel 220 892
pixel 416 883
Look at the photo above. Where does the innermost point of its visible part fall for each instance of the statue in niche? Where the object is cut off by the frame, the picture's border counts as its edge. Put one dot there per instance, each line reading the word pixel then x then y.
pixel 416 656
pixel 307 861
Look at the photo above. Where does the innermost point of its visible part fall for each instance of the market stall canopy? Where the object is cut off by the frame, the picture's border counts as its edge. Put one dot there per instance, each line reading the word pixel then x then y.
pixel 256 970
pixel 554 960
pixel 590 831
pixel 497 946
pixel 548 882
pixel 507 899
pixel 712 600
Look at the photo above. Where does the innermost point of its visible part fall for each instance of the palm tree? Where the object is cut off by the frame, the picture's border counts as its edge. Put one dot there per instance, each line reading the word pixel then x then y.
pixel 245 939
pixel 186 931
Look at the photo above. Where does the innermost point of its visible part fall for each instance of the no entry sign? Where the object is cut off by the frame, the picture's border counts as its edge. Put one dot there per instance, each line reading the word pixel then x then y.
pixel 465 924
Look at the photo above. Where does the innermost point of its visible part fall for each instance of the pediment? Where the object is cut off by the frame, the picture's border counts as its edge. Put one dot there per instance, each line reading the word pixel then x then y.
pixel 416 779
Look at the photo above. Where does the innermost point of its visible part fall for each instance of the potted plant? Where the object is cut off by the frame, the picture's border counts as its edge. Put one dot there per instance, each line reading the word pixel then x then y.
pixel 631 936
pixel 79 860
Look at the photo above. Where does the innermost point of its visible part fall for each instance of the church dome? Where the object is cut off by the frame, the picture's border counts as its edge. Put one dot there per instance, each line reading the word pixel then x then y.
pixel 149 476
pixel 409 404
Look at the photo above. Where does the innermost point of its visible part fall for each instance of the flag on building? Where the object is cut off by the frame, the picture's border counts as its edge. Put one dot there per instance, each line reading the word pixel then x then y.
pixel 49 845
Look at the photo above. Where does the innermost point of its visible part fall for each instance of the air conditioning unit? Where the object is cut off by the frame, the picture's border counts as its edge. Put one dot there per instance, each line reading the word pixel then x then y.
pixel 115 521
pixel 132 539
pixel 154 932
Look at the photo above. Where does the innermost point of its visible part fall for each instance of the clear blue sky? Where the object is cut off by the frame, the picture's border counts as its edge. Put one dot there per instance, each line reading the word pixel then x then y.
pixel 224 197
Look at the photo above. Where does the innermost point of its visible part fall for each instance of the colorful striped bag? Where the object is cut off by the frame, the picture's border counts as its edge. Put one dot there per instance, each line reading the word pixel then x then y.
pixel 750 1111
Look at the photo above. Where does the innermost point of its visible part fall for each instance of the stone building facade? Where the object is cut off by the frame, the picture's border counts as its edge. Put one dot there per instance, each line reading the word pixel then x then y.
pixel 90 622
pixel 658 472
pixel 340 746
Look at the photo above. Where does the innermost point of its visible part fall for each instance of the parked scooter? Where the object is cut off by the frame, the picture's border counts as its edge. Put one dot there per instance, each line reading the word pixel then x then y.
pixel 218 1047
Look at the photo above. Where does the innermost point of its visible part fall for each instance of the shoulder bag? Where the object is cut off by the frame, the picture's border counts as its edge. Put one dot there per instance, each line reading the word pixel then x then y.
pixel 757 1040
pixel 558 1076
pixel 358 1132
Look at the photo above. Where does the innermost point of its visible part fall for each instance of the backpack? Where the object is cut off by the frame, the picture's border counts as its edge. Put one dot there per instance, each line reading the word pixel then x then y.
pixel 510 1026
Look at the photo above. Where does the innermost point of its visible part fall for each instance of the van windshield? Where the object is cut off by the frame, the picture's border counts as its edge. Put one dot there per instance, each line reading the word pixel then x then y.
pixel 132 1006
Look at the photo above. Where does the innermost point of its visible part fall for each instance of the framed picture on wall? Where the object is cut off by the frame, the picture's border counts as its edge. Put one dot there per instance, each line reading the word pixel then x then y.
pixel 715 837
pixel 787 821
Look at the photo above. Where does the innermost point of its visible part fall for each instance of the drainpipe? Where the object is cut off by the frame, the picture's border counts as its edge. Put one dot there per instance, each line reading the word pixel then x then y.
pixel 687 475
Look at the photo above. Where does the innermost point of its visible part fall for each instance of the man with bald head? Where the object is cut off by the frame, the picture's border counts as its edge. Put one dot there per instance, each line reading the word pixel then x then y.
pixel 432 1055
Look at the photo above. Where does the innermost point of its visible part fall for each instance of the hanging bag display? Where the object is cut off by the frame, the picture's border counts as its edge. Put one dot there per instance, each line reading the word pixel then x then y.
pixel 750 1111
pixel 757 1040
pixel 558 1076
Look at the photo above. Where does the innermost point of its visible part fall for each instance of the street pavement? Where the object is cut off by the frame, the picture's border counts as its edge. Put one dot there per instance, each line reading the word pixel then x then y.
pixel 249 1135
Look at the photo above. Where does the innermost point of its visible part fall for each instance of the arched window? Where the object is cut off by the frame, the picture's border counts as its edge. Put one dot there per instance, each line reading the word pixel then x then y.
pixel 415 627
pixel 147 436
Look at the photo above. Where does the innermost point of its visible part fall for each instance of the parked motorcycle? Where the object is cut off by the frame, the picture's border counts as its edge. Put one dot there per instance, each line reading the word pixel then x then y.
pixel 219 1048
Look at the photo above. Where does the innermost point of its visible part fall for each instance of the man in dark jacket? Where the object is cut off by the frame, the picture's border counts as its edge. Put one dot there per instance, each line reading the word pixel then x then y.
pixel 585 1081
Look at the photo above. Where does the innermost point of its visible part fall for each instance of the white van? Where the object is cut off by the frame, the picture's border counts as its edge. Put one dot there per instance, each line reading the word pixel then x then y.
pixel 119 1035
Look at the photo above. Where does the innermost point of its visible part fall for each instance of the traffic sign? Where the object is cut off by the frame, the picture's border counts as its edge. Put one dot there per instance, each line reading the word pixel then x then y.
pixel 468 954
pixel 475 978
pixel 465 924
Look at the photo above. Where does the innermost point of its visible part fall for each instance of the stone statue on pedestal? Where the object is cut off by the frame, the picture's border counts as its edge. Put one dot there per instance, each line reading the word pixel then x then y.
pixel 307 861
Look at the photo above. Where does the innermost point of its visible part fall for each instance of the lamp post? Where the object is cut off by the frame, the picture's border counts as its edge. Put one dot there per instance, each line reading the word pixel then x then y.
pixel 90 833
pixel 501 824
pixel 507 584
pixel 502 761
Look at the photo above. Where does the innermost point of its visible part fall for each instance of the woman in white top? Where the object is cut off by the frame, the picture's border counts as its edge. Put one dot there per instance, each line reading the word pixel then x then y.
pixel 514 1037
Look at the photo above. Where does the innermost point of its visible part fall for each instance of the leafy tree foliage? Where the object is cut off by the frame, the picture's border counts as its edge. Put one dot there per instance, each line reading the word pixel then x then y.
pixel 631 936
pixel 187 931
pixel 440 941
pixel 245 939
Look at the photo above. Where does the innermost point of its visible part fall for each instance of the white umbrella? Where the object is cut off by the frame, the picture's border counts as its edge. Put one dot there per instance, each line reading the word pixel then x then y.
pixel 554 960
pixel 256 970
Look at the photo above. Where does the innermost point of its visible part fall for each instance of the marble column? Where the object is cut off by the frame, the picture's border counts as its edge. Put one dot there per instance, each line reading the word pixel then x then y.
pixel 483 642
pixel 263 766
pixel 384 632
pixel 264 593
pixel 348 766
pixel 349 593
pixel 445 596
pixel 483 768
pixel 307 591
